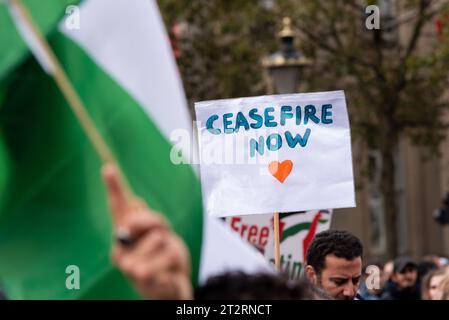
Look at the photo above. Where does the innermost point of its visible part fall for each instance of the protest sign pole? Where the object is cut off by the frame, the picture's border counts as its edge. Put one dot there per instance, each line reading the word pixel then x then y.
pixel 277 256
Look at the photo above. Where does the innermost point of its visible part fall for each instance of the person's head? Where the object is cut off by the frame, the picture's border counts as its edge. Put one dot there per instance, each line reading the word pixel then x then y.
pixel 431 289
pixel 444 288
pixel 334 263
pixel 405 273
pixel 261 286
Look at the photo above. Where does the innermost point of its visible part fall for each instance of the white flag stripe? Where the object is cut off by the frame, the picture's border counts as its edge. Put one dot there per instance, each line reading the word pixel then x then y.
pixel 128 40
pixel 226 251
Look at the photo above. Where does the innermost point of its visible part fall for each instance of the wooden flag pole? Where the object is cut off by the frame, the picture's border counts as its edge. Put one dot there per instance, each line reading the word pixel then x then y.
pixel 277 255
pixel 72 97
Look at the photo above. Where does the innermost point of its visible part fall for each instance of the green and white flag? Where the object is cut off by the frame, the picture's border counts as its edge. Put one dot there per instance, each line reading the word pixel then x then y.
pixel 53 209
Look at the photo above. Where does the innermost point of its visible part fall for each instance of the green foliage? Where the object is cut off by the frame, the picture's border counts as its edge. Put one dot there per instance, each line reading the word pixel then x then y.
pixel 221 45
pixel 394 77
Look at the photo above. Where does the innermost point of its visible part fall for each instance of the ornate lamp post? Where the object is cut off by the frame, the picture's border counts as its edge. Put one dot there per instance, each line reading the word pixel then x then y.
pixel 286 65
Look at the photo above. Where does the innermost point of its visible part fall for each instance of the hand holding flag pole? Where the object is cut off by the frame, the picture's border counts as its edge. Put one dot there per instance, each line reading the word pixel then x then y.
pixel 138 228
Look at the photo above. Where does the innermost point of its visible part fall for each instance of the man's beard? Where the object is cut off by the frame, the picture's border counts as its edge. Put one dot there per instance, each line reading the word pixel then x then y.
pixel 322 291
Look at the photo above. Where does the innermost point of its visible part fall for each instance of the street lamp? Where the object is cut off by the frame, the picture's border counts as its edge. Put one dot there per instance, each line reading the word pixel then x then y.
pixel 285 66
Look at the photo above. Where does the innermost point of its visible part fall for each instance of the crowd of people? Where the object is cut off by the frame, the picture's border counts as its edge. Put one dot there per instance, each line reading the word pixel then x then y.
pixel 406 279
pixel 157 262
pixel 334 272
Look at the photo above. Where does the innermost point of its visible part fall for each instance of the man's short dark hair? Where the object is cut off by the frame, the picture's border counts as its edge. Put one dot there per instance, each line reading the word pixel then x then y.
pixel 341 244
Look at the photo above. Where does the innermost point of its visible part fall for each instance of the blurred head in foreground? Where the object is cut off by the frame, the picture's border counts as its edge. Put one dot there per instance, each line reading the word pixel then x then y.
pixel 261 286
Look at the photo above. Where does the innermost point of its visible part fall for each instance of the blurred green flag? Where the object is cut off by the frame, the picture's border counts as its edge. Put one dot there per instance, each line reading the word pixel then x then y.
pixel 53 209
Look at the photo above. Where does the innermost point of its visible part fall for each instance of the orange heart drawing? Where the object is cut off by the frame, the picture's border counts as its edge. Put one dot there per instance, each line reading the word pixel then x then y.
pixel 280 170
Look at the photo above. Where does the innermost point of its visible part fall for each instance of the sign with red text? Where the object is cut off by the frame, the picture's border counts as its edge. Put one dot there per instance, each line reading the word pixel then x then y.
pixel 279 153
pixel 296 232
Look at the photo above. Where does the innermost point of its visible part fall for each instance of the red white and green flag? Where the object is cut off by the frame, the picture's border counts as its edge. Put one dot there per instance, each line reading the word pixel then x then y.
pixel 296 232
